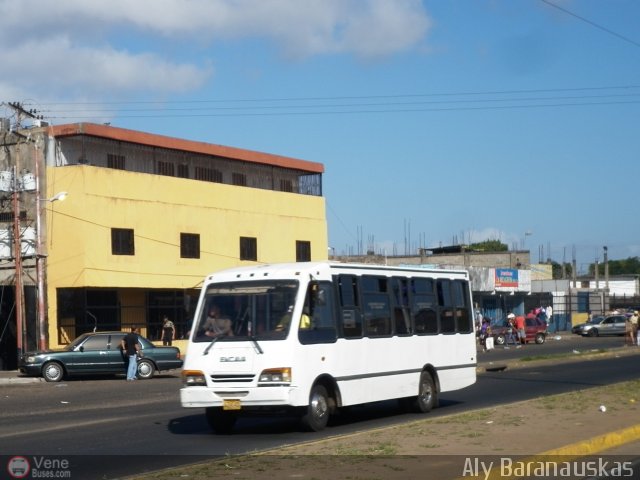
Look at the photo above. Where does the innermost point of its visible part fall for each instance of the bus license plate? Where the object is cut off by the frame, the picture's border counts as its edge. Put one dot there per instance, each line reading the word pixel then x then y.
pixel 231 405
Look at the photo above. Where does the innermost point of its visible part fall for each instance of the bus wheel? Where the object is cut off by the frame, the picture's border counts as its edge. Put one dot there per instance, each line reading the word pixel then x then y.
pixel 317 412
pixel 427 398
pixel 221 421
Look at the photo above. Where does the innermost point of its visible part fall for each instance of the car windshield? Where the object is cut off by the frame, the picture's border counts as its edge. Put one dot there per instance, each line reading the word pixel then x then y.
pixel 72 346
pixel 234 311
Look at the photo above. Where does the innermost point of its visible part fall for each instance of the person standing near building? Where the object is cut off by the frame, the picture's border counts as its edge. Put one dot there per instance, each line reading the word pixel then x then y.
pixel 131 348
pixel 168 331
pixel 521 333
pixel 632 327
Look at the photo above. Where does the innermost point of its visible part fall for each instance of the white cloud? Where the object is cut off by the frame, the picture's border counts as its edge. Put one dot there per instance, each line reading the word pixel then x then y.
pixel 55 64
pixel 53 50
pixel 366 28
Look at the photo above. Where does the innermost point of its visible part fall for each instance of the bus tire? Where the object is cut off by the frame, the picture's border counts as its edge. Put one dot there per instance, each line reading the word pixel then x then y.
pixel 427 398
pixel 221 421
pixel 316 415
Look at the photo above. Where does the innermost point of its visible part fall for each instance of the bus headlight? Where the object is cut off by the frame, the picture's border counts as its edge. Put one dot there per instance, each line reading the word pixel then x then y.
pixel 275 375
pixel 193 378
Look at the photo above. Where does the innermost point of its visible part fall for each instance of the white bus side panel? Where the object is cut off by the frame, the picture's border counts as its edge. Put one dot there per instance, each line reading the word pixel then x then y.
pixel 397 363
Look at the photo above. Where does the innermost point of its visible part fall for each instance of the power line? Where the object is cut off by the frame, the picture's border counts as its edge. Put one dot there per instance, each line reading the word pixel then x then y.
pixel 349 97
pixel 345 105
pixel 364 111
pixel 604 29
pixel 336 105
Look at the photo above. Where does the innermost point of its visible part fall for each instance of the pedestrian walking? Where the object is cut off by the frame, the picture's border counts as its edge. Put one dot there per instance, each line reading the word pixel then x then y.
pixel 132 348
pixel 521 333
pixel 510 338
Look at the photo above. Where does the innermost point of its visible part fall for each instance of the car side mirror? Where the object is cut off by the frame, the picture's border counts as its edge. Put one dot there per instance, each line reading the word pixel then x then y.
pixel 81 349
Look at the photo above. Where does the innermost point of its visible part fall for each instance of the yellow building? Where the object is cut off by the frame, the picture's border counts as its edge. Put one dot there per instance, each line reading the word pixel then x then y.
pixel 148 216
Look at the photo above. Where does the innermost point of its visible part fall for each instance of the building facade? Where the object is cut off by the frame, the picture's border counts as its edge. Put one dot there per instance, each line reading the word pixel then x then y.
pixel 146 218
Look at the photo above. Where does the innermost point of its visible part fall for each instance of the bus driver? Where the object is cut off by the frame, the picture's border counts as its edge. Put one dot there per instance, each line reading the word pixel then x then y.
pixel 216 324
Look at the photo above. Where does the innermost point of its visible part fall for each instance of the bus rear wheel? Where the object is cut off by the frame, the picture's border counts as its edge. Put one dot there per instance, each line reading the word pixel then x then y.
pixel 317 413
pixel 221 421
pixel 427 398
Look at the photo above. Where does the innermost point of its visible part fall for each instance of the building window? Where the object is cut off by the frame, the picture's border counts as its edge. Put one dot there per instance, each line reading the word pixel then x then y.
pixel 183 171
pixel 239 179
pixel 248 248
pixel 286 185
pixel 208 174
pixel 166 168
pixel 303 251
pixel 115 161
pixel 189 245
pixel 122 241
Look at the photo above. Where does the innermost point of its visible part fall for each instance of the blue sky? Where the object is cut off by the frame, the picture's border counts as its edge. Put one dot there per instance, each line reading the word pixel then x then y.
pixel 437 121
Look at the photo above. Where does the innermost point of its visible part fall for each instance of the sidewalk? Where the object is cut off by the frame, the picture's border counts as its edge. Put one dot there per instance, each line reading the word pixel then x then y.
pixel 13 377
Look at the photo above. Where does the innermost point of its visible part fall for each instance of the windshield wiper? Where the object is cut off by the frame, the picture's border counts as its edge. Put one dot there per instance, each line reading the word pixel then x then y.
pixel 257 345
pixel 215 339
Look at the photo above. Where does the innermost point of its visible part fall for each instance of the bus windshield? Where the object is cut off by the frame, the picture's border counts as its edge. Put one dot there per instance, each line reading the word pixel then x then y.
pixel 261 310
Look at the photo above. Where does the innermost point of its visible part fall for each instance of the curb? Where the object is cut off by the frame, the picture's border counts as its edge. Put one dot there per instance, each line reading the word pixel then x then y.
pixel 19 380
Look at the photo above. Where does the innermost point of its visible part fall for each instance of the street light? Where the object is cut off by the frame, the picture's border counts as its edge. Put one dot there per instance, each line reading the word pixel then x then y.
pixel 57 197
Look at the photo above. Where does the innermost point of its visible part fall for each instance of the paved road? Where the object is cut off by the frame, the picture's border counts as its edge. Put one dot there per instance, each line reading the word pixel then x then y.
pixel 100 420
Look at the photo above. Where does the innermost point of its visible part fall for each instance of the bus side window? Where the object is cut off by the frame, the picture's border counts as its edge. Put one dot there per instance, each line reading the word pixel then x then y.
pixel 375 305
pixel 320 325
pixel 460 303
pixel 445 302
pixel 350 318
pixel 401 316
pixel 377 314
pixel 423 306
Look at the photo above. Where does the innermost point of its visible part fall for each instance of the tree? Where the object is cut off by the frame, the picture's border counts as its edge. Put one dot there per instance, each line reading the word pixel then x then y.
pixel 489 246
pixel 556 269
pixel 629 266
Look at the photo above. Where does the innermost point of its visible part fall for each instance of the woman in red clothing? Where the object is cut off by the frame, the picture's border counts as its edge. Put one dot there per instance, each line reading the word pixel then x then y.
pixel 522 335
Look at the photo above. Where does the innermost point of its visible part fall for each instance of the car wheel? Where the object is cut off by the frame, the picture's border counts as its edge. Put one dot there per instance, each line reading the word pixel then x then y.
pixel 540 338
pixel 221 421
pixel 52 372
pixel 500 339
pixel 146 369
pixel 317 413
pixel 593 332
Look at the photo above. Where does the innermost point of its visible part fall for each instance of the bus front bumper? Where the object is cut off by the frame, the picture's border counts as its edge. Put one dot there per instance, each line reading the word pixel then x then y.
pixel 199 397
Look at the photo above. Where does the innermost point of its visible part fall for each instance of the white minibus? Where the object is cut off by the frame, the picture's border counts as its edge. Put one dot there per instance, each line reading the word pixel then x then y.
pixel 311 338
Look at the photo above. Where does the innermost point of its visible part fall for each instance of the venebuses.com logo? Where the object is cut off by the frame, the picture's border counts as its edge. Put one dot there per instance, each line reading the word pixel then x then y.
pixel 18 467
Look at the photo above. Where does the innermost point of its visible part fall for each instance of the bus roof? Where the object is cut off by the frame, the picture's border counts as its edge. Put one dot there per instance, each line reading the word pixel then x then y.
pixel 323 270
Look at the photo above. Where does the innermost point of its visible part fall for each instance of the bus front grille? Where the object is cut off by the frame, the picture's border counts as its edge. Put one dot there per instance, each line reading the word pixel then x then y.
pixel 232 378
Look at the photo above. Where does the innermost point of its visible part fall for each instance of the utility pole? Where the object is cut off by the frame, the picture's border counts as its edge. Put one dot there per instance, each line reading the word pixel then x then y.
pixel 16 189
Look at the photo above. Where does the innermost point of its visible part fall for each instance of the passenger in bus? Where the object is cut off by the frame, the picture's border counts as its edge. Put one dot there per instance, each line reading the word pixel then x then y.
pixel 216 323
pixel 305 320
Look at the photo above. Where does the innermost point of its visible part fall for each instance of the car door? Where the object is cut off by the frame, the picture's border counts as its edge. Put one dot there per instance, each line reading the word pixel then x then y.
pixel 117 360
pixel 92 356
pixel 619 325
